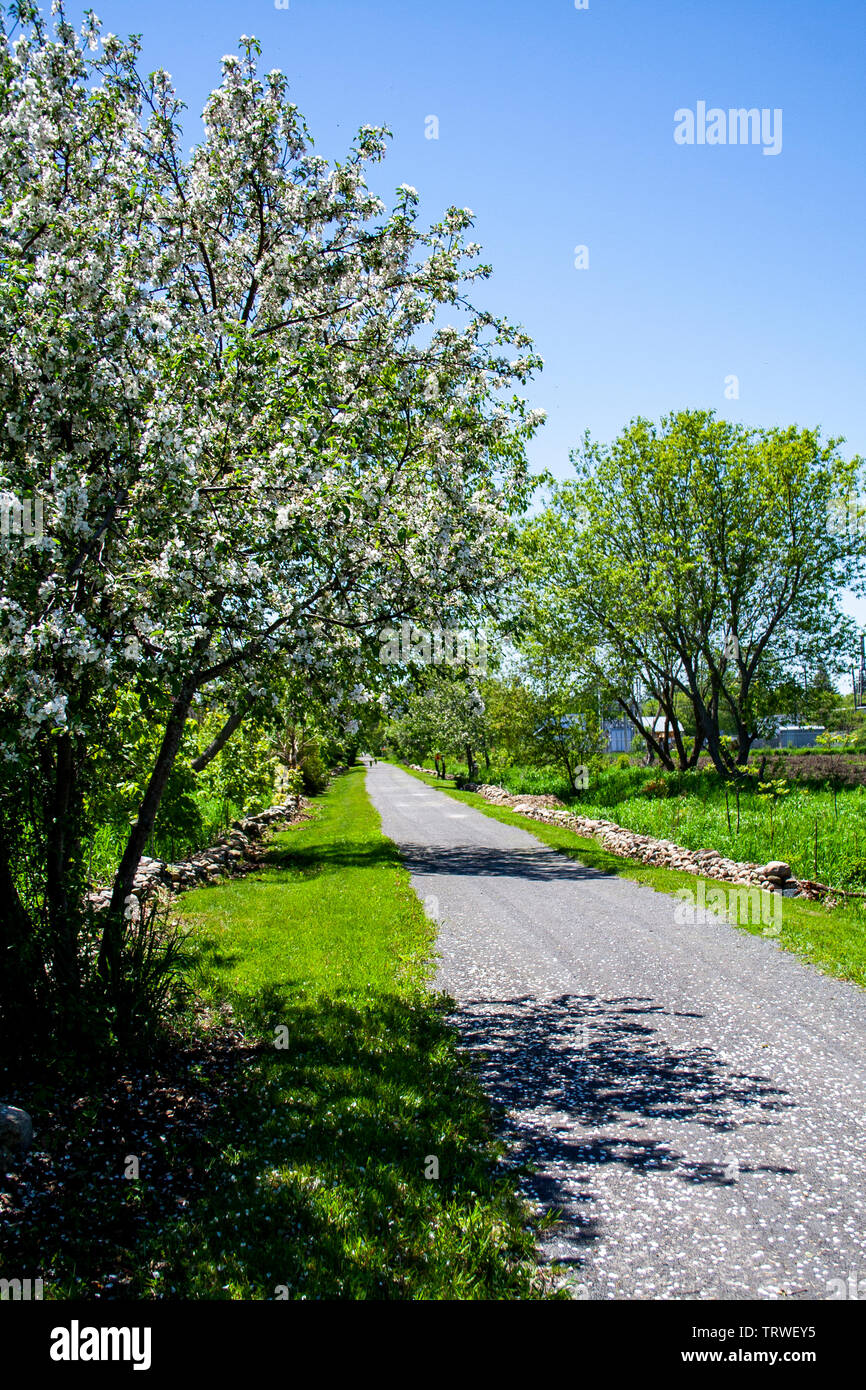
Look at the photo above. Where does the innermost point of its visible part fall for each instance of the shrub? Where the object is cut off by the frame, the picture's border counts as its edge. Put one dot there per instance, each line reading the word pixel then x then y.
pixel 148 987
pixel 729 745
pixel 314 773
pixel 293 782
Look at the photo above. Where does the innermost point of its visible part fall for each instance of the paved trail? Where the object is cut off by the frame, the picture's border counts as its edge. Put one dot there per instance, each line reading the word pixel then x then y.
pixel 692 1097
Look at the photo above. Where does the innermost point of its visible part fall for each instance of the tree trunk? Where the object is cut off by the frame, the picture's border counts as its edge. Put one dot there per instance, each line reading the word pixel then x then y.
pixel 216 745
pixel 658 749
pixel 697 749
pixel 713 738
pixel 23 978
pixel 744 744
pixel 61 895
pixel 471 764
pixel 569 770
pixel 654 748
pixel 683 757
pixel 171 741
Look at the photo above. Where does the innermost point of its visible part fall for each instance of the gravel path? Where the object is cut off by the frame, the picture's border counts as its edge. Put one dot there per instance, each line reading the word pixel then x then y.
pixel 692 1098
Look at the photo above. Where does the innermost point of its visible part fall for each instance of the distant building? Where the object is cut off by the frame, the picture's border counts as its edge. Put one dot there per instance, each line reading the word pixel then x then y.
pixel 792 736
pixel 621 732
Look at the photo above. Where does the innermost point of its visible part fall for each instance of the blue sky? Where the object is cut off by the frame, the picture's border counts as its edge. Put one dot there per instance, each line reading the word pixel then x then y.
pixel 556 126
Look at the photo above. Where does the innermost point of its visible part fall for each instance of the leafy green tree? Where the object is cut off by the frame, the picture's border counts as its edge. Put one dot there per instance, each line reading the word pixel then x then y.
pixel 512 716
pixel 447 716
pixel 568 728
pixel 698 556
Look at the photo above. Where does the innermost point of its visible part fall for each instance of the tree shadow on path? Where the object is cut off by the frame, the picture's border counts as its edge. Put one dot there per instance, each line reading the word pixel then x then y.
pixel 581 1080
pixel 539 865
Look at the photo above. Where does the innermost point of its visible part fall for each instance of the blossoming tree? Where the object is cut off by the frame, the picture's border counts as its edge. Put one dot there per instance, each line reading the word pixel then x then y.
pixel 231 377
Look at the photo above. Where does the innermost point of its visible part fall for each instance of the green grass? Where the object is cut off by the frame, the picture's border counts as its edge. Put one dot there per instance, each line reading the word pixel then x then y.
pixel 333 911
pixel 834 941
pixel 821 835
pixel 291 1160
pixel 820 832
pixel 329 952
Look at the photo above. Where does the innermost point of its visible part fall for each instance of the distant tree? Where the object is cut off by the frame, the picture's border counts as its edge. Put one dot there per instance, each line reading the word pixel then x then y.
pixel 567 717
pixel 446 716
pixel 512 718
pixel 698 555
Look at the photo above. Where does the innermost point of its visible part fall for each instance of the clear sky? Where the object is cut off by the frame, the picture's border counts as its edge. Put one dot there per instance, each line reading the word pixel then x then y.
pixel 556 126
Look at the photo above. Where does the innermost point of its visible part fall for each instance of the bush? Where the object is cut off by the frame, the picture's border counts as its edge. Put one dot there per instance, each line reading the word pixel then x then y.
pixel 314 773
pixel 149 987
pixel 293 782
pixel 123 1012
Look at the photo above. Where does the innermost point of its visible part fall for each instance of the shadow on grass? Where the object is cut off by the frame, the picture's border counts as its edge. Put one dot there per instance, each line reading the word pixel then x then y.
pixel 337 1123
pixel 309 861
pixel 268 1171
pixel 207 955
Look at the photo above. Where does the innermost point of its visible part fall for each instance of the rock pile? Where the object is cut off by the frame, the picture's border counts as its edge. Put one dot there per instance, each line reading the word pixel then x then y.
pixel 16 1134
pixel 774 877
pixel 234 854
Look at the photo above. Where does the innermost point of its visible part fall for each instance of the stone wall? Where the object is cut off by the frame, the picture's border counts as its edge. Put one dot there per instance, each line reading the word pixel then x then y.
pixel 774 876
pixel 236 853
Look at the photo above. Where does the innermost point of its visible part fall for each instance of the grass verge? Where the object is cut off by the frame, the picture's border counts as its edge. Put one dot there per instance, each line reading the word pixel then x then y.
pixel 832 940
pixel 289 1149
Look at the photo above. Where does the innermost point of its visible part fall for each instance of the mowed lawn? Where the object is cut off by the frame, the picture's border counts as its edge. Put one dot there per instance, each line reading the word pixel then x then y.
pixel 351 1098
pixel 334 911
